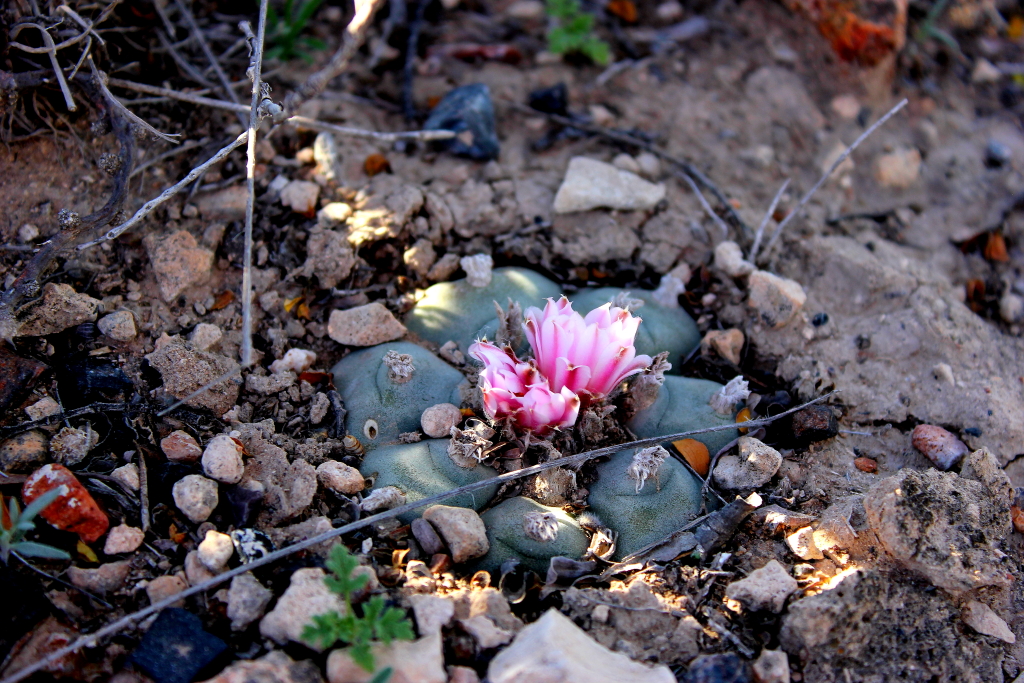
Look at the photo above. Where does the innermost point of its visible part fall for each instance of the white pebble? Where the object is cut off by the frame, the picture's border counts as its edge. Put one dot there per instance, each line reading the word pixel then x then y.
pixel 296 360
pixel 215 551
pixel 437 421
pixel 128 475
pixel 123 539
pixel 196 496
pixel 337 476
pixel 222 460
pixel 729 259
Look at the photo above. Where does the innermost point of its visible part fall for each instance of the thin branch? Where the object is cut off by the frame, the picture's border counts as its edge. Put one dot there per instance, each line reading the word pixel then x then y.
pixel 355 34
pixel 186 14
pixel 842 157
pixel 178 95
pixel 61 581
pixel 51 52
pixel 152 204
pixel 100 80
pixel 182 63
pixel 704 203
pixel 173 152
pixel 764 222
pixel 255 70
pixel 567 461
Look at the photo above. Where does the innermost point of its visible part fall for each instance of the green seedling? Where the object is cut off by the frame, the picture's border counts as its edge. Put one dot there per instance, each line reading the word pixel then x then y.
pixel 573 31
pixel 284 31
pixel 377 622
pixel 15 523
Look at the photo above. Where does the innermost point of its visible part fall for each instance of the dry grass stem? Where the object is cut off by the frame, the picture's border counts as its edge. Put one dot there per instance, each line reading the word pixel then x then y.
pixel 764 221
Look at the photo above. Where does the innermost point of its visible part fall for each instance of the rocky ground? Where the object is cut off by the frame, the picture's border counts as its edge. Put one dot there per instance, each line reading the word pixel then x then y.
pixel 882 547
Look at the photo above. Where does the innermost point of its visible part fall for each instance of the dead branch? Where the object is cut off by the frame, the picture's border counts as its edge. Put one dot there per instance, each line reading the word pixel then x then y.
pixel 704 204
pixel 193 27
pixel 567 461
pixel 355 34
pixel 764 222
pixel 821 181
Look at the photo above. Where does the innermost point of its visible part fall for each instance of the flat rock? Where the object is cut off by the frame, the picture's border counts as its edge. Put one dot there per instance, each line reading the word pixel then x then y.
pixel 247 601
pixel 328 256
pixel 593 237
pixel 417 661
pixel 554 649
pixel 756 464
pixel 591 184
pixel 367 325
pixel 24 452
pixel 982 619
pixel 306 596
pixel 123 539
pixel 176 648
pixel 185 369
pixel 119 326
pixel 61 307
pixel 882 629
pixel 942 526
pixel 899 345
pixel 775 300
pixel 461 528
pixel 103 579
pixel 766 588
pixel 273 667
pixel 178 262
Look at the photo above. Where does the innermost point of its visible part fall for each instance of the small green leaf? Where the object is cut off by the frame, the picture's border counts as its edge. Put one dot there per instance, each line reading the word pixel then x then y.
pixel 382 676
pixel 41 550
pixel 362 655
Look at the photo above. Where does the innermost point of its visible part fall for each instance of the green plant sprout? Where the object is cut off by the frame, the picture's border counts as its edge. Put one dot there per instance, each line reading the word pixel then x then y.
pixel 574 31
pixel 378 621
pixel 284 31
pixel 15 523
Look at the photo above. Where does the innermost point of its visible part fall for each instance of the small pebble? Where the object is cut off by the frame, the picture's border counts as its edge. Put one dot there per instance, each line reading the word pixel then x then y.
pixel 985 72
pixel 222 460
pixel 28 232
pixel 766 588
pixel 215 551
pixel 898 169
pixel 123 539
pixel 775 299
pixel 866 465
pixel 772 666
pixel 101 580
pixel 119 326
pixel 437 420
pixel 756 464
pixel 461 528
pixel 306 596
pixel 729 259
pixel 296 360
pixel 814 423
pixel 626 163
pixel 444 268
pixel 726 343
pixel 128 475
pixel 427 537
pixel 195 571
pixel 985 621
pixel 997 154
pixel 938 445
pixel 204 336
pixel 801 542
pixel 333 214
pixel 1011 308
pixel 25 452
pixel 526 10
pixel 319 407
pixel 846 106
pixel 339 477
pixel 196 496
pixel 247 601
pixel 367 325
pixel 164 587
pixel 650 165
pixel 180 446
pixel 301 196
pixel 669 12
pixel 722 668
pixel 44 407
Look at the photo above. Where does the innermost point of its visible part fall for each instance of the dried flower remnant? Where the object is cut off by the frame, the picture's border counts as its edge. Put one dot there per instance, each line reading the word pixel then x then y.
pixel 383 498
pixel 647 386
pixel 724 400
pixel 592 354
pixel 470 445
pixel 645 465
pixel 541 526
pixel 399 365
pixel 517 391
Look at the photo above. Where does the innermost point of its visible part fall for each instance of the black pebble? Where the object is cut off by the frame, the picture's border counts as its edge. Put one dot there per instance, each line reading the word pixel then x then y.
pixel 814 423
pixel 819 319
pixel 176 648
pixel 553 100
pixel 724 668
pixel 469 112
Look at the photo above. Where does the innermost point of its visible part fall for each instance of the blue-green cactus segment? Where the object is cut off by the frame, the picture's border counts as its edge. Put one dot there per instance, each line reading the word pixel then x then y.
pixel 369 394
pixel 682 405
pixel 425 469
pixel 458 311
pixel 505 533
pixel 663 505
pixel 662 329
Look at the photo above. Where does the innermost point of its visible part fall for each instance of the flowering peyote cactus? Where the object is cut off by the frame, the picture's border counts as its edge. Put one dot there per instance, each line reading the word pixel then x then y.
pixel 548 367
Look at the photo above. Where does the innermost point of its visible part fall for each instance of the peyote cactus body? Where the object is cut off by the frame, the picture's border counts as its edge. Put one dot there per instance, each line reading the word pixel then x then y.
pixel 424 469
pixel 462 313
pixel 641 514
pixel 507 531
pixel 380 408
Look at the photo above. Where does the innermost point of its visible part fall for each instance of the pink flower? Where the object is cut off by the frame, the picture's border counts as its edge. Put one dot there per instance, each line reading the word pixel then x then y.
pixel 592 354
pixel 514 389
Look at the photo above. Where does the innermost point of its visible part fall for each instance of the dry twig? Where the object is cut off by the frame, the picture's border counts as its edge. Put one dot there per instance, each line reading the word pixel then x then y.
pixel 764 222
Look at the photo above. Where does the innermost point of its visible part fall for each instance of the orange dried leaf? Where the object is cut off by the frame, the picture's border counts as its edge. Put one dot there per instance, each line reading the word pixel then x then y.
pixel 744 415
pixel 376 163
pixel 289 304
pixel 1015 29
pixel 623 9
pixel 302 311
pixel 315 377
pixel 87 552
pixel 695 453
pixel 398 557
pixel 995 248
pixel 223 300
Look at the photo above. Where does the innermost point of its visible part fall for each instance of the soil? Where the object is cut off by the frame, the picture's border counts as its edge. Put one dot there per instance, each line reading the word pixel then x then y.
pixel 906 280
